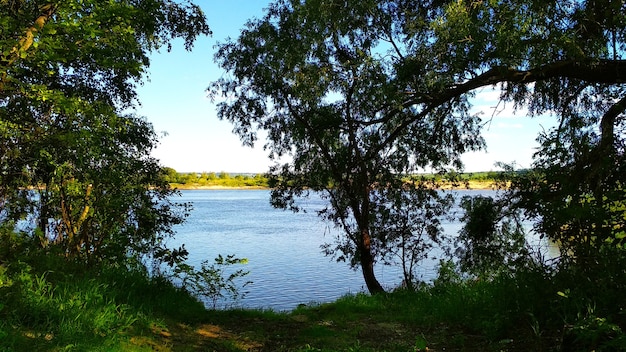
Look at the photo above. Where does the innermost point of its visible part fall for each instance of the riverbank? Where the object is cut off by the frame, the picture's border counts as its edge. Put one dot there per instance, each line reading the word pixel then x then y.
pixel 185 187
pixel 472 185
pixel 119 310
pixel 48 303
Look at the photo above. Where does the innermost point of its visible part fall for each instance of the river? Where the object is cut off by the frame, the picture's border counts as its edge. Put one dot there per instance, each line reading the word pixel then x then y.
pixel 286 265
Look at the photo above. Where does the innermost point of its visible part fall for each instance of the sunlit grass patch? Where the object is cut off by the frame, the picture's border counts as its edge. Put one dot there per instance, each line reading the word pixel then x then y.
pixel 76 308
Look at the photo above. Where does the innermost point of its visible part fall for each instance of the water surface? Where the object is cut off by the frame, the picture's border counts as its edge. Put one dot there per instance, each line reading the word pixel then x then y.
pixel 286 264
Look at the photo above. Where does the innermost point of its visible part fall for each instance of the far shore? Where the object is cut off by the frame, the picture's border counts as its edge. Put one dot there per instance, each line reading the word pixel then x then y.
pixel 215 187
pixel 471 185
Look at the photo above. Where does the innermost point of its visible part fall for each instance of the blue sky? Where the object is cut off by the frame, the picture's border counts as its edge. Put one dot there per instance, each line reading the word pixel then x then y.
pixel 174 100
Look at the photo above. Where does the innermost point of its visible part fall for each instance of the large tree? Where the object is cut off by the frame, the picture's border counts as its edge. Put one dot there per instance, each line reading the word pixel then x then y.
pixel 74 161
pixel 563 58
pixel 360 92
pixel 343 92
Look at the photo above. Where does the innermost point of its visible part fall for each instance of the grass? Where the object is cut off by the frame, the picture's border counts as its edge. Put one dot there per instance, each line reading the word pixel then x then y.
pixel 73 308
pixel 122 310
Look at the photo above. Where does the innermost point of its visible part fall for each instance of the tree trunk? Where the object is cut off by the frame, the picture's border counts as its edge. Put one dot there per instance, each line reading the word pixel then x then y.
pixel 367 264
pixel 43 218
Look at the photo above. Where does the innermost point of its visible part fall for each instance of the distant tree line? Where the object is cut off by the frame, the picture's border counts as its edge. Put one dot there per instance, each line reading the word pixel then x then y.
pixel 461 177
pixel 207 179
pixel 225 179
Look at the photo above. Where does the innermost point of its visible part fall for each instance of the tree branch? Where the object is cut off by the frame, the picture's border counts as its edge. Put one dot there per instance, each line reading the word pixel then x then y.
pixel 607 124
pixel 591 71
pixel 25 42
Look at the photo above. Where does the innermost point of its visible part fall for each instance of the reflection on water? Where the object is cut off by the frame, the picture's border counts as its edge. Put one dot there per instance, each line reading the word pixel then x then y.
pixel 286 264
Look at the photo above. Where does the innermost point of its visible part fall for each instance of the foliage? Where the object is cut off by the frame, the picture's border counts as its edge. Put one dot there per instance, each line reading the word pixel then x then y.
pixel 48 303
pixel 223 179
pixel 357 96
pixel 385 91
pixel 564 59
pixel 213 282
pixel 408 226
pixel 582 215
pixel 492 239
pixel 75 164
pixel 334 95
pixel 356 101
pixel 596 333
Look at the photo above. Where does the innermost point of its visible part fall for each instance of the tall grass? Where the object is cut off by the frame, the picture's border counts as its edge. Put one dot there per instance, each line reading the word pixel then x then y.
pixel 50 303
pixel 69 307
pixel 526 310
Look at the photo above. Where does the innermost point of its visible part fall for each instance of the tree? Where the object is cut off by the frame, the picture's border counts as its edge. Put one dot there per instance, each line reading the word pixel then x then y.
pixel 345 93
pixel 74 162
pixel 409 224
pixel 358 93
pixel 492 240
pixel 567 59
pixel 563 58
pixel 170 174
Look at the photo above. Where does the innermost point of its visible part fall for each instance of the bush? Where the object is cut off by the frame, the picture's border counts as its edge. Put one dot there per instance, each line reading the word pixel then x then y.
pixel 213 282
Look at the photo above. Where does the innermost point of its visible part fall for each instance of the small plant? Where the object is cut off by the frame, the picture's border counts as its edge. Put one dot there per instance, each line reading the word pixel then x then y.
pixel 596 333
pixel 420 344
pixel 447 274
pixel 492 239
pixel 213 281
pixel 5 279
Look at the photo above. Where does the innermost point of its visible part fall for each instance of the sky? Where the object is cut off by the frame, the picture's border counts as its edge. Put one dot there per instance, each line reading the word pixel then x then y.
pixel 173 98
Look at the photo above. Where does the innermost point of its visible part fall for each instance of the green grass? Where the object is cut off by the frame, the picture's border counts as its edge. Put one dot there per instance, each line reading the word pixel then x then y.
pixel 49 304
pixel 74 309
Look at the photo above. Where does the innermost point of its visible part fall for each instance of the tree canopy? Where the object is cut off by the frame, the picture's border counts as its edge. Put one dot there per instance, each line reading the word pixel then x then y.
pixel 565 59
pixel 75 162
pixel 331 90
pixel 357 93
